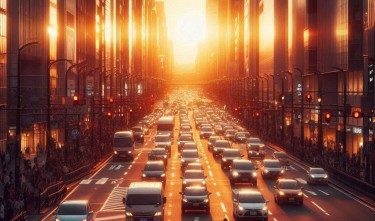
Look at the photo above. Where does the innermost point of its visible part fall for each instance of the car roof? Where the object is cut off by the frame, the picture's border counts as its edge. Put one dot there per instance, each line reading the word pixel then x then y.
pixel 287 180
pixel 242 161
pixel 75 202
pixel 154 162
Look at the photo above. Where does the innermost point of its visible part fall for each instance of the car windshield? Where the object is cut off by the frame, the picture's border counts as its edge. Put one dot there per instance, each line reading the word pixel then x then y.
pixel 272 164
pixel 162 139
pixel 254 147
pixel 195 191
pixel 143 199
pixel 193 175
pixel 194 167
pixel 189 154
pixel 244 166
pixel 251 198
pixel 232 154
pixel 280 155
pixel 72 209
pixel 185 128
pixel 288 185
pixel 212 139
pixel 154 167
pixel 231 132
pixel 186 138
pixel 253 140
pixel 240 135
pixel 222 144
pixel 205 129
pixel 158 152
pixel 137 129
pixel 317 171
pixel 122 142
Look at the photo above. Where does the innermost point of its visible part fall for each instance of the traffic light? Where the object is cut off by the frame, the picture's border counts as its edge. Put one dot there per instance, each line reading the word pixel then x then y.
pixel 130 110
pixel 75 99
pixel 356 114
pixel 109 114
pixel 257 114
pixel 110 100
pixel 327 117
pixel 308 97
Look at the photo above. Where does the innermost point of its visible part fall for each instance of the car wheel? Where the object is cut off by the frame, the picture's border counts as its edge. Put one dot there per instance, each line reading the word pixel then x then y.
pixel 266 219
pixel 277 200
pixel 208 209
pixel 255 183
pixel 300 203
pixel 222 166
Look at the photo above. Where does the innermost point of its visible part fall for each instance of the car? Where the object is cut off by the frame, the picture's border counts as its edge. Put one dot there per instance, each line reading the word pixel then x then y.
pixel 229 134
pixel 211 141
pixel 138 134
pixel 190 146
pixel 155 171
pixel 74 210
pixel 193 178
pixel 282 157
pixel 271 168
pixel 162 140
pixel 255 148
pixel 241 137
pixel 183 139
pixel 195 198
pixel 249 204
pixel 219 146
pixel 159 154
pixel 243 171
pixel 194 166
pixel 227 157
pixel 189 156
pixel 317 175
pixel 186 129
pixel 288 191
pixel 205 132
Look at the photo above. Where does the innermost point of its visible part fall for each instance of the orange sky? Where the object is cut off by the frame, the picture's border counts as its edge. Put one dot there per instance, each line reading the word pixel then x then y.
pixel 186 27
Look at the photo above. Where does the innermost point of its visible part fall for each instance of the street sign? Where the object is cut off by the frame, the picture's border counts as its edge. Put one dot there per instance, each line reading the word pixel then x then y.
pixel 75 132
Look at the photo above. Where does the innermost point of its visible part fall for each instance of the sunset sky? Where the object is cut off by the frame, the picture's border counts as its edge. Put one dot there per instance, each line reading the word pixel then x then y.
pixel 186 27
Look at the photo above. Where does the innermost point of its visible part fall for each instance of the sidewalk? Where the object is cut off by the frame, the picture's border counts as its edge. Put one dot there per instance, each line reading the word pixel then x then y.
pixel 353 193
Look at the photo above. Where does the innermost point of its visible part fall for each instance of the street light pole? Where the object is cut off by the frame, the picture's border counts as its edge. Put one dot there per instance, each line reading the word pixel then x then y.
pixel 292 110
pixel 48 146
pixel 18 118
pixel 302 138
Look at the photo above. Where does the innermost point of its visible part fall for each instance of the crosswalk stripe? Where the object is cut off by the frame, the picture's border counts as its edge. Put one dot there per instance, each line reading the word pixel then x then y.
pixel 301 181
pixel 114 200
pixel 85 181
pixel 102 181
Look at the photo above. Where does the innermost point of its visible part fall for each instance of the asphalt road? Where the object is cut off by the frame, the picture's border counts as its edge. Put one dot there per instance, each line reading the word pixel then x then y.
pixel 106 188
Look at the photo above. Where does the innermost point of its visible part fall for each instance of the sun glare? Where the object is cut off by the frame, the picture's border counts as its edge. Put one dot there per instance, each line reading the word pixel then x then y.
pixel 191 28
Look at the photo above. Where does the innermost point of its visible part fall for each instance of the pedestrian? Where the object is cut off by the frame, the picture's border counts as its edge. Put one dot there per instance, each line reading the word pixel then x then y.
pixel 2 210
pixel 27 151
pixel 37 198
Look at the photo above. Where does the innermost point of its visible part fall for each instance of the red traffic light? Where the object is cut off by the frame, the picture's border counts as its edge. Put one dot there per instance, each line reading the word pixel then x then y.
pixel 109 114
pixel 110 100
pixel 257 114
pixel 308 97
pixel 130 110
pixel 356 114
pixel 75 99
pixel 327 117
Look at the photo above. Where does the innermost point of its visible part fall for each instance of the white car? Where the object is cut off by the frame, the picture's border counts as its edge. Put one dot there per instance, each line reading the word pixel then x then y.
pixel 74 210
pixel 249 204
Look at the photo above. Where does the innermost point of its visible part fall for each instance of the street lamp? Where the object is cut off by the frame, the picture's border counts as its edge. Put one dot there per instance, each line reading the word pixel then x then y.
pixel 292 110
pixel 49 104
pixel 302 138
pixel 344 111
pixel 18 118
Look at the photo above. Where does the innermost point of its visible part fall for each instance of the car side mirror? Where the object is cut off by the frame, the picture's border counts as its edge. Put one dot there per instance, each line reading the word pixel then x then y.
pixel 267 201
pixel 275 187
pixel 164 200
pixel 123 200
pixel 181 177
pixel 242 155
pixel 180 193
pixel 209 193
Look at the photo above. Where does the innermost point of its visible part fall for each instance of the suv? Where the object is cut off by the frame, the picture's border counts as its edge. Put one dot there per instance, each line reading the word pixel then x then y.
pixel 193 177
pixel 189 156
pixel 249 204
pixel 271 168
pixel 159 154
pixel 211 142
pixel 219 146
pixel 227 157
pixel 195 198
pixel 183 139
pixel 255 148
pixel 316 175
pixel 243 171
pixel 154 170
pixel 162 140
pixel 138 134
pixel 206 132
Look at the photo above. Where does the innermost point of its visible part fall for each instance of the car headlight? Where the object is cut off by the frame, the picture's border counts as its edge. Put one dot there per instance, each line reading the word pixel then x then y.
pixel 203 182
pixel 184 200
pixel 129 214
pixel 281 193
pixel 83 220
pixel 225 160
pixel 197 160
pixel 254 174
pixel 261 145
pixel 158 214
pixel 205 200
pixel 215 149
pixel 129 152
pixel 209 143
pixel 165 157
pixel 235 173
pixel 144 175
pixel 182 160
pixel 300 194
pixel 163 175
pixel 57 219
pixel 312 176
pixel 240 208
pixel 266 171
pixel 184 182
pixel 141 135
pixel 282 171
pixel 265 208
pixel 326 176
pixel 115 152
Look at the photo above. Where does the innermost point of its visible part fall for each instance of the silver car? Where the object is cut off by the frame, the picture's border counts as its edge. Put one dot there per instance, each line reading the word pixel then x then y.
pixel 317 175
pixel 249 204
pixel 271 168
pixel 74 210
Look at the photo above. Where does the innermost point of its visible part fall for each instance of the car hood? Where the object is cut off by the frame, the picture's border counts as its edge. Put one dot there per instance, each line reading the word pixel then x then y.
pixel 318 175
pixel 244 171
pixel 193 180
pixel 195 198
pixel 232 158
pixel 250 206
pixel 143 210
pixel 190 159
pixel 163 143
pixel 71 217
pixel 153 173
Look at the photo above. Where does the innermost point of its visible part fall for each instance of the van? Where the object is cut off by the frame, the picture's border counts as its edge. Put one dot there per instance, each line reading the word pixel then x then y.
pixel 144 201
pixel 123 145
pixel 165 125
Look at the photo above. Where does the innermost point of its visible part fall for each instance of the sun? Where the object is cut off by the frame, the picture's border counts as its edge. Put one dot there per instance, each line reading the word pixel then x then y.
pixel 191 28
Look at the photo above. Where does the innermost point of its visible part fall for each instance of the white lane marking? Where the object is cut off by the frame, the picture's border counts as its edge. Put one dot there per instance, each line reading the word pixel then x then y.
pixel 320 208
pixel 301 181
pixel 109 217
pixel 208 166
pixel 358 201
pixel 169 213
pixel 119 167
pixel 173 168
pixel 125 173
pixel 269 212
pixel 311 192
pixel 210 172
pixel 217 193
pixel 293 168
pixel 306 195
pixel 274 219
pixel 112 167
pixel 102 181
pixel 85 182
pixel 130 166
pixel 214 184
pixel 172 183
pixel 223 207
pixel 207 162
pixel 327 194
pixel 170 194
pixel 114 200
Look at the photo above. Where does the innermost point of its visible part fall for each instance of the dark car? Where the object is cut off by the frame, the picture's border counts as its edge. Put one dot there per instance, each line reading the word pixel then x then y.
pixel 138 134
pixel 229 134
pixel 164 141
pixel 317 175
pixel 159 154
pixel 219 146
pixel 227 157
pixel 206 132
pixel 288 191
pixel 195 198
pixel 255 148
pixel 183 139
pixel 189 156
pixel 243 171
pixel 241 137
pixel 282 157
pixel 211 142
pixel 154 170
pixel 193 178
pixel 271 168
